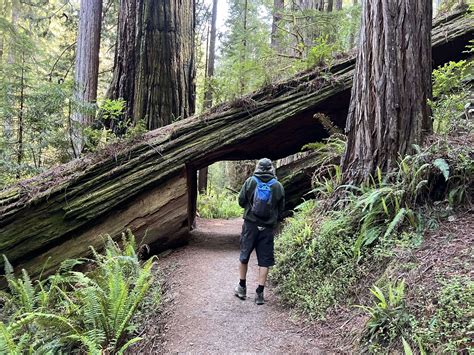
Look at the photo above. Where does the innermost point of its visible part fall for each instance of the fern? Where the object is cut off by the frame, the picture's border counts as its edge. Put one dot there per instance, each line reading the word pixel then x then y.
pixel 443 166
pixel 72 310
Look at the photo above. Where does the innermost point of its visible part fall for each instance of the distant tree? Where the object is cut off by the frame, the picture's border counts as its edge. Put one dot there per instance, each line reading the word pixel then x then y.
pixel 392 83
pixel 241 67
pixel 278 8
pixel 87 69
pixel 353 34
pixel 330 5
pixel 211 58
pixel 154 66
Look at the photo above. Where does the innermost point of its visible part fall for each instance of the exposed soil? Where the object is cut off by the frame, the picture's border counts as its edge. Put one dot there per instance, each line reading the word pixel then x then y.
pixel 201 313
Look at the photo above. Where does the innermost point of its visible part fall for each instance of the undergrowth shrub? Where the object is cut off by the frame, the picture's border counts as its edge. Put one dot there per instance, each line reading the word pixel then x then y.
pixel 314 265
pixel 451 92
pixel 451 328
pixel 218 204
pixel 77 312
pixel 389 320
pixel 328 246
pixel 323 251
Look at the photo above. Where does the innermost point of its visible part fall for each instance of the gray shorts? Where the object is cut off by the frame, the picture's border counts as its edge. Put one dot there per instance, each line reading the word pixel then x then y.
pixel 260 240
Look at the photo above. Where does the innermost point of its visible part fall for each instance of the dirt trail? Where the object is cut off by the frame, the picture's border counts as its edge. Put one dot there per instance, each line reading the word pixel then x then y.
pixel 204 316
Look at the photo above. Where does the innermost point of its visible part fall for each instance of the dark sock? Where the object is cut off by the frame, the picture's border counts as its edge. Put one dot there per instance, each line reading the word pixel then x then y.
pixel 243 283
pixel 260 289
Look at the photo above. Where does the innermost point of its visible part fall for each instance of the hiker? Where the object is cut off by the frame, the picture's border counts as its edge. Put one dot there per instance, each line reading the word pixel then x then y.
pixel 263 199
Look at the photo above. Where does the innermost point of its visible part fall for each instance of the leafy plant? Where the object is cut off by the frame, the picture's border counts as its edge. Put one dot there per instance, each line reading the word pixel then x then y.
pixel 218 204
pixel 72 310
pixel 451 327
pixel 321 53
pixel 313 264
pixel 451 88
pixel 389 318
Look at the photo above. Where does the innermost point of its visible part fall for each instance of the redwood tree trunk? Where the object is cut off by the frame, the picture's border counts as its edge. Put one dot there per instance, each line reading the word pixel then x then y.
pixel 154 62
pixel 203 173
pixel 123 79
pixel 165 88
pixel 338 5
pixel 87 69
pixel 392 83
pixel 211 58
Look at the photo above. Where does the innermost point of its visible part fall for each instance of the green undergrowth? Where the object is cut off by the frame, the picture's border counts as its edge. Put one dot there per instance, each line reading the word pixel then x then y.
pixel 445 326
pixel 333 248
pixel 321 252
pixel 451 328
pixel 218 204
pixel 71 311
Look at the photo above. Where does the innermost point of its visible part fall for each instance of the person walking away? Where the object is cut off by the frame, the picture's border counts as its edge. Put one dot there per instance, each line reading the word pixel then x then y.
pixel 263 198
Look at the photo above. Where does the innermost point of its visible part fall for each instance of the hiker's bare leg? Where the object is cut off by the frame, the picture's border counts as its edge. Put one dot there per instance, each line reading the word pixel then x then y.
pixel 262 275
pixel 243 271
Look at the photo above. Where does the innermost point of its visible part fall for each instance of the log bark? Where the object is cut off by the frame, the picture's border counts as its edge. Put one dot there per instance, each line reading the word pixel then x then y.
pixel 296 178
pixel 389 110
pixel 148 182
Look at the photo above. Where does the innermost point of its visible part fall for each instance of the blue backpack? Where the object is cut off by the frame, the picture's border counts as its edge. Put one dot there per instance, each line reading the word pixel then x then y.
pixel 262 198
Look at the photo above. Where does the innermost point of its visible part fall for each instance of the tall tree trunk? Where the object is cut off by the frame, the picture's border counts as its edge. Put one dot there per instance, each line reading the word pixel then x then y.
pixel 338 5
pixel 87 69
pixel 392 83
pixel 123 78
pixel 165 89
pixel 4 12
pixel 11 59
pixel 20 151
pixel 154 67
pixel 302 5
pixel 278 7
pixel 211 57
pixel 353 34
pixel 244 49
pixel 330 5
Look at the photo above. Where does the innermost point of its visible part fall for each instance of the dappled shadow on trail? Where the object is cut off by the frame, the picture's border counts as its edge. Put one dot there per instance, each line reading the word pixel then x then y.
pixel 202 315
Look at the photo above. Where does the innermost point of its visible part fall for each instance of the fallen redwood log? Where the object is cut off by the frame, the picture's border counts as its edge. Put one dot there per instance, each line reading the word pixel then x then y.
pixel 149 186
pixel 296 178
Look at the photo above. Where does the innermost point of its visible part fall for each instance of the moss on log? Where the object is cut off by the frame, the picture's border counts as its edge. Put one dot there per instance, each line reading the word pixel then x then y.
pixel 146 184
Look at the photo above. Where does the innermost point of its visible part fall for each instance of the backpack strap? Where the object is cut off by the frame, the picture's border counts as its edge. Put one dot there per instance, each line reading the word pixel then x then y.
pixel 271 182
pixel 259 182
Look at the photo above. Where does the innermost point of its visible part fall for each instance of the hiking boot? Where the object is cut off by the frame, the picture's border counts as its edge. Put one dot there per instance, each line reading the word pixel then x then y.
pixel 259 298
pixel 240 292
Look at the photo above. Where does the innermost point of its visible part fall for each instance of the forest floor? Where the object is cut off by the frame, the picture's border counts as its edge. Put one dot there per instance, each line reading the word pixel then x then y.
pixel 200 312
